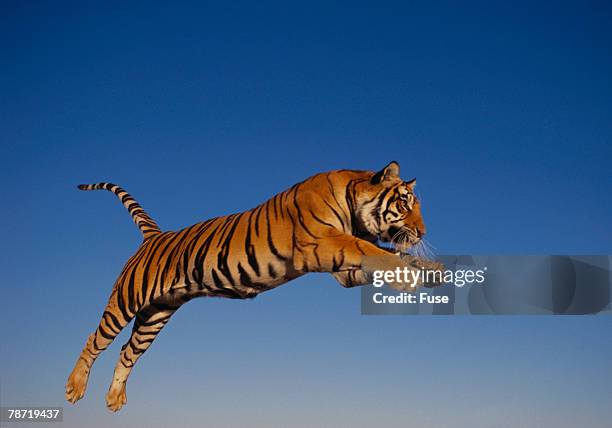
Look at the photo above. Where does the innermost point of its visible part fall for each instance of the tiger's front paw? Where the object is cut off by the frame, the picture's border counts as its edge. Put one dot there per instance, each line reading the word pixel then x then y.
pixel 433 272
pixel 405 273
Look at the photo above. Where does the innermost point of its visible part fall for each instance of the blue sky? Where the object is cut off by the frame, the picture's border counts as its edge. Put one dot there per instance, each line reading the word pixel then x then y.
pixel 502 112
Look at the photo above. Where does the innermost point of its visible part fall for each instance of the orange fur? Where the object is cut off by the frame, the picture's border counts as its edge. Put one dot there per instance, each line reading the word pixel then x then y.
pixel 326 223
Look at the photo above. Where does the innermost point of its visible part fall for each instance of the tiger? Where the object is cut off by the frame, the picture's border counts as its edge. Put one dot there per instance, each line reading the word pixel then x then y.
pixel 326 223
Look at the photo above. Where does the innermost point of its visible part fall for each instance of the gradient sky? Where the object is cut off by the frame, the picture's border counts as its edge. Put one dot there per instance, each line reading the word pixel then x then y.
pixel 502 112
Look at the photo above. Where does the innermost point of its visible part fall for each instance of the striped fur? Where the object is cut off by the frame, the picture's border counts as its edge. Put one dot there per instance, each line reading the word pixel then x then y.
pixel 146 224
pixel 326 223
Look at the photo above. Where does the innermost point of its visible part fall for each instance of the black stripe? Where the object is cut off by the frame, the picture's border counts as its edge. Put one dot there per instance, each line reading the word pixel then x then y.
pixel 223 255
pixel 174 246
pixel 257 220
pixel 105 335
pixel 270 242
pixel 115 322
pixel 342 210
pixel 130 290
pixel 250 248
pixel 340 219
pixel 246 280
pixel 300 215
pixel 121 303
pixel 271 271
pixel 320 220
pixel 337 265
pixel 148 260
pixel 222 289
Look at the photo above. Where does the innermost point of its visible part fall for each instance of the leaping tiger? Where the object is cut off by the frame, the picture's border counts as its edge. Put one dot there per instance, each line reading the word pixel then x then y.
pixel 326 223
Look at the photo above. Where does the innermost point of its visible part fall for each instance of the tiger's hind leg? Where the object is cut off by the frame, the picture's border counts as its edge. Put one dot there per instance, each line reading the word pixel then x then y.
pixel 112 322
pixel 149 322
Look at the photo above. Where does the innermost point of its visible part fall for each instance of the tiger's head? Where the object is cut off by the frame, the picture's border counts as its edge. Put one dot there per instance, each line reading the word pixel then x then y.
pixel 387 208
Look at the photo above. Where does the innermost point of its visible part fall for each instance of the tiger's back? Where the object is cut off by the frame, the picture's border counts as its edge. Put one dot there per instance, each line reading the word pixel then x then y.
pixel 238 255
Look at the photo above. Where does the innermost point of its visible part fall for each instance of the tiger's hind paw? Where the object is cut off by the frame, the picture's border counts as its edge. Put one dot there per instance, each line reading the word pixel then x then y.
pixel 116 397
pixel 77 383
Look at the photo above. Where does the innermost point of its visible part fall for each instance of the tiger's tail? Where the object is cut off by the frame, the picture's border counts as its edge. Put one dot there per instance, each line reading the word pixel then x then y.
pixel 146 224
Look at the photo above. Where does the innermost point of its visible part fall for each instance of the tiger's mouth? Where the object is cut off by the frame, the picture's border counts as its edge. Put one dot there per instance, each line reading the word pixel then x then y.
pixel 400 239
pixel 385 240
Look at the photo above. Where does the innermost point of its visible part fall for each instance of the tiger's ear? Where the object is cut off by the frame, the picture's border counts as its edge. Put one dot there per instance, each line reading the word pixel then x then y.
pixel 410 184
pixel 389 172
